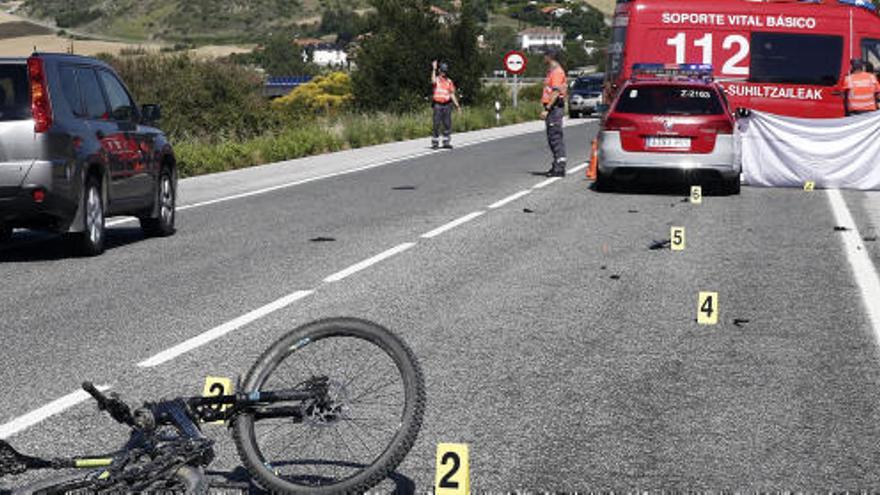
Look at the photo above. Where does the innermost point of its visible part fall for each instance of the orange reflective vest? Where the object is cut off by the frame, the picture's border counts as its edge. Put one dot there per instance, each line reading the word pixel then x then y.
pixel 555 81
pixel 862 89
pixel 444 88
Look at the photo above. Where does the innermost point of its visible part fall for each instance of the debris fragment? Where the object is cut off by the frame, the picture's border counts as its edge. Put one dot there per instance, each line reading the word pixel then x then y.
pixel 322 239
pixel 870 239
pixel 740 321
pixel 404 188
pixel 657 245
pixel 527 210
pixel 615 277
pixel 841 229
pixel 632 211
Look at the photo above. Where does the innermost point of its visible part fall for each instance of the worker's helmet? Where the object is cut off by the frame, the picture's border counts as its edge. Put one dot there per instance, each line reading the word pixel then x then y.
pixel 552 53
pixel 856 64
pixel 444 68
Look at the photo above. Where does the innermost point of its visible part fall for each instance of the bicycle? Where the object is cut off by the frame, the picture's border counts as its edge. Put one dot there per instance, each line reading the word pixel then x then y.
pixel 167 450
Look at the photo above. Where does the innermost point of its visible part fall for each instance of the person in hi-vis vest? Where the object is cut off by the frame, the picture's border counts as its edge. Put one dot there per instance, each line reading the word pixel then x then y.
pixel 862 89
pixel 553 100
pixel 442 101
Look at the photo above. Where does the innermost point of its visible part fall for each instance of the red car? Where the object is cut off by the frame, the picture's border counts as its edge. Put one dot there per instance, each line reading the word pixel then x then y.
pixel 671 119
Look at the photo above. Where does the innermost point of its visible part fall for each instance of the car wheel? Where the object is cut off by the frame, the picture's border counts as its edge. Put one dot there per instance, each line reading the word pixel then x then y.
pixel 733 186
pixel 166 198
pixel 5 234
pixel 90 242
pixel 603 183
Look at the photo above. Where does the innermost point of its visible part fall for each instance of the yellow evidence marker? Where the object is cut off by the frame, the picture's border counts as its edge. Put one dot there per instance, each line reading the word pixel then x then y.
pixel 809 186
pixel 676 239
pixel 696 195
pixel 707 308
pixel 453 470
pixel 216 386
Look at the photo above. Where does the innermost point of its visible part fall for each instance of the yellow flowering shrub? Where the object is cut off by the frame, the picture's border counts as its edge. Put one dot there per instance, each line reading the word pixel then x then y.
pixel 323 94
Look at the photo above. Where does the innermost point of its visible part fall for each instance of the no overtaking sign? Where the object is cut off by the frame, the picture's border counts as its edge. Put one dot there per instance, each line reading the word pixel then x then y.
pixel 515 62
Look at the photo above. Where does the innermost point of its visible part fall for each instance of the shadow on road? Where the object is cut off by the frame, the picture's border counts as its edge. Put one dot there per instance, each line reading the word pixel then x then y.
pixel 240 477
pixel 31 246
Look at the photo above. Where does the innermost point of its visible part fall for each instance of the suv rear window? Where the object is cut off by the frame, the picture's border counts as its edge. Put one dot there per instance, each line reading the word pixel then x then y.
pixel 669 100
pixel 15 96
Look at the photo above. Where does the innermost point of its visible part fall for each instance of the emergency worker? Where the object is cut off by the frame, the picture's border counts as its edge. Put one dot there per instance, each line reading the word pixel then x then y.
pixel 443 99
pixel 553 100
pixel 862 89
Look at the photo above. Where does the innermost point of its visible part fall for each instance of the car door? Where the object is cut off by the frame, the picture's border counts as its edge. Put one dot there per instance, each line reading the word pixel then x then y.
pixel 106 132
pixel 134 146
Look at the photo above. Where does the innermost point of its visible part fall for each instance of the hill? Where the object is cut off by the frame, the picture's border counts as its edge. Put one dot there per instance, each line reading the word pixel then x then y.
pixel 191 21
pixel 220 21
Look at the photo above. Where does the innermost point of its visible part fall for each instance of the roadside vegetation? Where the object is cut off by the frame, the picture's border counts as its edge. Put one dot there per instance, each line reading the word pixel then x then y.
pixel 215 113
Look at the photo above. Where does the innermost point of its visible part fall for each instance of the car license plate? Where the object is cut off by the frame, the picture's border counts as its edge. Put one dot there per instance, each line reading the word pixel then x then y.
pixel 667 142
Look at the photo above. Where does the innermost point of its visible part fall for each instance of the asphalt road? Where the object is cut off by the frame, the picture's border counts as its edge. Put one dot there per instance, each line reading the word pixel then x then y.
pixel 553 341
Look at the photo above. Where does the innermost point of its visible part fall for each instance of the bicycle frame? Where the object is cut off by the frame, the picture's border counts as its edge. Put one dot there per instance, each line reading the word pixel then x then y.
pixel 183 414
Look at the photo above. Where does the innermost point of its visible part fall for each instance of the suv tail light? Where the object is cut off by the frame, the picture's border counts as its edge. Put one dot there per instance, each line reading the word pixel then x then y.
pixel 618 124
pixel 41 108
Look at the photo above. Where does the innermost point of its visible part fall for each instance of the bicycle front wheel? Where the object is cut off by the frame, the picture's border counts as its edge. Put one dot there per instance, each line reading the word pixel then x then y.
pixel 360 428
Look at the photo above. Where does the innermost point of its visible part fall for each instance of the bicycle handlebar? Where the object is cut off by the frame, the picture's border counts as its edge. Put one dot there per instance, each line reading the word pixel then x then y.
pixel 117 409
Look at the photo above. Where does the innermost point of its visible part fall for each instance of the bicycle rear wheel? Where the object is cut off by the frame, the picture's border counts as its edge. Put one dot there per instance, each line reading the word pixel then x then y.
pixel 353 438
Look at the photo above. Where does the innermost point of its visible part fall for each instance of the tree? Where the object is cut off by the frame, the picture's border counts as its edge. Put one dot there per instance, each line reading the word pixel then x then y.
pixel 278 56
pixel 394 62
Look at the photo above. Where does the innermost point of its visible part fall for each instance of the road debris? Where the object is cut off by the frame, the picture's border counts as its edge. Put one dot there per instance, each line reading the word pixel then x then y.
pixel 841 229
pixel 657 245
pixel 739 322
pixel 615 277
pixel 404 188
pixel 322 239
pixel 527 210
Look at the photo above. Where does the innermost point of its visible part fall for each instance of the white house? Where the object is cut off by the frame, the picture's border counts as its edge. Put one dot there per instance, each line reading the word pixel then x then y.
pixel 541 37
pixel 329 55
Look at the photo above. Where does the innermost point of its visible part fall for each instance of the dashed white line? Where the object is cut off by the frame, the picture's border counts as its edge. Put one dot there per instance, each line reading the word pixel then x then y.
pixel 336 277
pixel 451 225
pixel 546 182
pixel 509 199
pixel 223 329
pixel 51 409
pixel 863 269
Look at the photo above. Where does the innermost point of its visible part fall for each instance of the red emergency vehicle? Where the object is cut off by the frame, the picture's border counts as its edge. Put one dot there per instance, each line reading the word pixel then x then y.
pixel 787 57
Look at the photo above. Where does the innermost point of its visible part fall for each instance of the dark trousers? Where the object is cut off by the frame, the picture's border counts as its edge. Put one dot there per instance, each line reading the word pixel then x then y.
pixel 442 123
pixel 555 137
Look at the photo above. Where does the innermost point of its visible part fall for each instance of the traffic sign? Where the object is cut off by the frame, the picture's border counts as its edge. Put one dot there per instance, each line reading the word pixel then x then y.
pixel 515 62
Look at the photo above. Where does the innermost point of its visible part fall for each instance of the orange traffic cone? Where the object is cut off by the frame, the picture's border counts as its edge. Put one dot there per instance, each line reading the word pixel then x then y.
pixel 594 161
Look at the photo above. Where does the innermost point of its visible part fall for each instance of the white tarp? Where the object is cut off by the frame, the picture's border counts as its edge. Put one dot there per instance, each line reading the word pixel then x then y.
pixel 834 153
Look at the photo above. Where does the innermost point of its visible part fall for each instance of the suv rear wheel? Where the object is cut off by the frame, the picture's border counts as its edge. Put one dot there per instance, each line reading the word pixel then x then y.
pixel 90 242
pixel 166 204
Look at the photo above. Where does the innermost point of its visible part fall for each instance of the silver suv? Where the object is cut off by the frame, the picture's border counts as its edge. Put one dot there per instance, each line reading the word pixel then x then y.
pixel 75 149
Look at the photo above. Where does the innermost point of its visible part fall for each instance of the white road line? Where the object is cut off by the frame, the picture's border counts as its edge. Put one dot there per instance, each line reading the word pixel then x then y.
pixel 577 169
pixel 451 225
pixel 336 277
pixel 546 182
pixel 863 269
pixel 512 197
pixel 223 329
pixel 51 409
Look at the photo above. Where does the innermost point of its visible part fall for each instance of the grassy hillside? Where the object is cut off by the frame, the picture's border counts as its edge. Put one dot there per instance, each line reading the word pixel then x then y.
pixel 223 21
pixel 198 21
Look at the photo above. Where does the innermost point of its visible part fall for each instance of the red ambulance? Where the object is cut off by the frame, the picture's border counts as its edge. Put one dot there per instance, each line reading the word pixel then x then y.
pixel 786 57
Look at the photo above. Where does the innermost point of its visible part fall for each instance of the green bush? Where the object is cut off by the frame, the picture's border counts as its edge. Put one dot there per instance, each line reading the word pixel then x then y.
pixel 201 99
